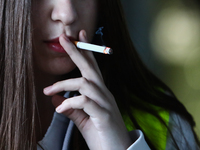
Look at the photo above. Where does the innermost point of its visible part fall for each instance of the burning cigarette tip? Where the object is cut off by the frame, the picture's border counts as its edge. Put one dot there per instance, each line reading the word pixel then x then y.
pixel 108 50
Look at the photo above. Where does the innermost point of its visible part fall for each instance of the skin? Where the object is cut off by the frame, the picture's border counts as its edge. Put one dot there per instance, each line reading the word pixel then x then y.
pixel 95 111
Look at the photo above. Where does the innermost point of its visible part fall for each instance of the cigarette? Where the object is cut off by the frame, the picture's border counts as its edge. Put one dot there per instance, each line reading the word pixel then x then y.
pixel 93 47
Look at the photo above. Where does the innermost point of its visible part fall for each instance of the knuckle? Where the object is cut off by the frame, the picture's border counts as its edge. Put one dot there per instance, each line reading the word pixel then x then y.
pixel 85 99
pixel 107 115
pixel 83 81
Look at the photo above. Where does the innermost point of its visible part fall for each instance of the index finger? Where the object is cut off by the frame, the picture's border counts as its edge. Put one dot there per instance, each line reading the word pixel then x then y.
pixel 88 66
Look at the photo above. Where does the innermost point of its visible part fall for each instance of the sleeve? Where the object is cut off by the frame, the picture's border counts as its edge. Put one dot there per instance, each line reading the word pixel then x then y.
pixel 140 143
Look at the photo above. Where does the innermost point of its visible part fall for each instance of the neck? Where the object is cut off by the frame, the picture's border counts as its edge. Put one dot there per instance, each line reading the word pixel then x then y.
pixel 45 107
pixel 43 80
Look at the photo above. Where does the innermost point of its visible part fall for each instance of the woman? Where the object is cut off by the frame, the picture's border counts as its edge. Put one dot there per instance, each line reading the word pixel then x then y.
pixel 39 62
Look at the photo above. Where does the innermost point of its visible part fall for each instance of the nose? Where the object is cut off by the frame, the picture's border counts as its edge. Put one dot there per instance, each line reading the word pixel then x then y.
pixel 64 11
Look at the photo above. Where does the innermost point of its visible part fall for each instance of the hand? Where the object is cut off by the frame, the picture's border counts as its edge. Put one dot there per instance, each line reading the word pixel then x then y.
pixel 95 111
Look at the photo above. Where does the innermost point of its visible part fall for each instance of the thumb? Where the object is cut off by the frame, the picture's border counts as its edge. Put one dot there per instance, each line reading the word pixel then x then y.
pixel 83 36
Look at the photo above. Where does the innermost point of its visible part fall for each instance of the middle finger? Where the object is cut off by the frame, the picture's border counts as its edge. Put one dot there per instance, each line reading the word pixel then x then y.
pixel 87 67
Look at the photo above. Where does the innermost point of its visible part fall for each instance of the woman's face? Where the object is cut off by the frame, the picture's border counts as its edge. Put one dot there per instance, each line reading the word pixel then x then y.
pixel 51 18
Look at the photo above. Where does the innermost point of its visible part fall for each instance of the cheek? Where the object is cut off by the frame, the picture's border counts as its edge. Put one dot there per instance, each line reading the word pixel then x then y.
pixel 40 13
pixel 89 19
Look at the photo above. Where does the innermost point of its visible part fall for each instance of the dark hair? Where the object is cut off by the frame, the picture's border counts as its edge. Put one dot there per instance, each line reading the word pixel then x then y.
pixel 132 84
pixel 124 74
pixel 17 100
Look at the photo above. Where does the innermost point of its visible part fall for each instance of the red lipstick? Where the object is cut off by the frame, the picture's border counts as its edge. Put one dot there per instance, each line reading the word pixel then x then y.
pixel 54 44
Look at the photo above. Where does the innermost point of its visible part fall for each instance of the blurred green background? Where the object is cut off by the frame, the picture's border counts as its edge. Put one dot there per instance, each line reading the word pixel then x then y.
pixel 167 37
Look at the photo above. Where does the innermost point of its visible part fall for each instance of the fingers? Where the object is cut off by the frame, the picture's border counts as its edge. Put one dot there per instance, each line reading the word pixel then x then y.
pixel 95 98
pixel 84 60
pixel 88 54
pixel 83 36
pixel 82 85
pixel 92 109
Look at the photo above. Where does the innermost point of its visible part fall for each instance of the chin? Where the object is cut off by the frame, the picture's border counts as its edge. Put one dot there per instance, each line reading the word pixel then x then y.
pixel 57 67
pixel 61 71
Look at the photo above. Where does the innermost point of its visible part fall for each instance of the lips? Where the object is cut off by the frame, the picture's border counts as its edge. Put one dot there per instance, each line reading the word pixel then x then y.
pixel 54 45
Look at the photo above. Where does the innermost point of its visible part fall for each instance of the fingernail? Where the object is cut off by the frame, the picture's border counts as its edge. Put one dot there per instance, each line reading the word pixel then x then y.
pixel 59 108
pixel 47 89
pixel 65 37
pixel 85 35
